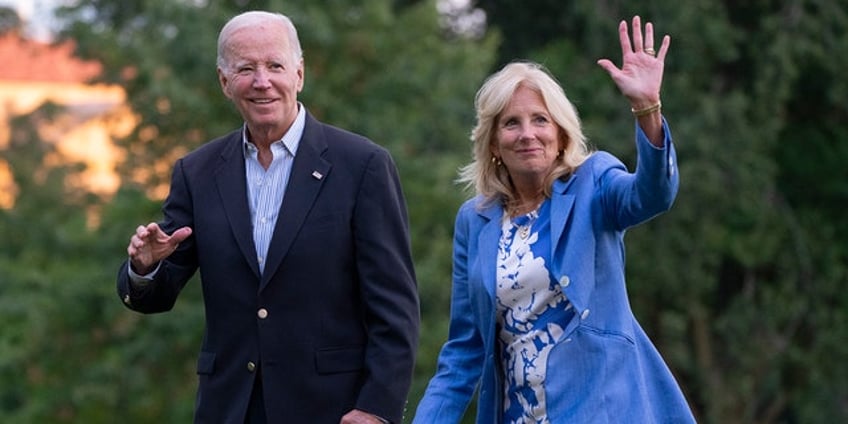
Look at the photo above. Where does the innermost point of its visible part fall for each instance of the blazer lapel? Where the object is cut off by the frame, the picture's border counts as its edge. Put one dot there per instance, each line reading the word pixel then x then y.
pixel 232 187
pixel 561 205
pixel 487 243
pixel 309 171
pixel 569 252
pixel 488 239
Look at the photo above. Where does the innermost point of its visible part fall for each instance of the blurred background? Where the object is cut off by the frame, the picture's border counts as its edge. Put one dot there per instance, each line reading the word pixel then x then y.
pixel 742 285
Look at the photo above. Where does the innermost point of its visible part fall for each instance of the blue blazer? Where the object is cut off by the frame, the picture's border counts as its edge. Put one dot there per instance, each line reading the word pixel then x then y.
pixel 333 321
pixel 606 370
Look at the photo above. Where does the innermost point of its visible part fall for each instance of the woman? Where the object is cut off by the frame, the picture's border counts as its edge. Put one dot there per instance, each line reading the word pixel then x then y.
pixel 540 318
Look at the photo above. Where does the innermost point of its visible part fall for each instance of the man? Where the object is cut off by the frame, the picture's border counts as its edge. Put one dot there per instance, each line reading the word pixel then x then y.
pixel 299 230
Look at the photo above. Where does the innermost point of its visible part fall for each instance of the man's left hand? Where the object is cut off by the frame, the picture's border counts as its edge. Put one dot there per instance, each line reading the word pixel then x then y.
pixel 360 417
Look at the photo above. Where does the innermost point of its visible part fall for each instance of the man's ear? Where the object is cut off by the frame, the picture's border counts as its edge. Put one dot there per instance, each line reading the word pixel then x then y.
pixel 301 76
pixel 224 80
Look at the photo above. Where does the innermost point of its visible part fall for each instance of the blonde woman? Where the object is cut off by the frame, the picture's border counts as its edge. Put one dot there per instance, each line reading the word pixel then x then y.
pixel 540 320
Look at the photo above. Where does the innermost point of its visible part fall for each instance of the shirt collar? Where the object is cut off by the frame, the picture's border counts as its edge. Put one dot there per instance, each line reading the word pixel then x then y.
pixel 291 139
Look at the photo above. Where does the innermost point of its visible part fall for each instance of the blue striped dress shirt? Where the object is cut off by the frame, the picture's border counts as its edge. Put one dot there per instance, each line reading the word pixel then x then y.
pixel 266 187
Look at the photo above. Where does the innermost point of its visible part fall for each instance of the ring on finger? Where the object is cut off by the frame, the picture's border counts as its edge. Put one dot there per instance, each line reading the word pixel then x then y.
pixel 650 51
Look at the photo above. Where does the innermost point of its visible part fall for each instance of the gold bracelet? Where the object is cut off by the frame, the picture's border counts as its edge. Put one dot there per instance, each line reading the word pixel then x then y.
pixel 647 111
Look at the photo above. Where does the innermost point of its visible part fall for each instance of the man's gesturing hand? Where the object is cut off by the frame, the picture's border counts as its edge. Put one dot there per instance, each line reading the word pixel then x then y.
pixel 150 244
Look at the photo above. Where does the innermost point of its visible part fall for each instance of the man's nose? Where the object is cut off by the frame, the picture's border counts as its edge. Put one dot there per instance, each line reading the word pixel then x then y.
pixel 261 78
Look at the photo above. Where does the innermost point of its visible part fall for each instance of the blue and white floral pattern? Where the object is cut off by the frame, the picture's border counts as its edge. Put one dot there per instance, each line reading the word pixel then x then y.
pixel 532 313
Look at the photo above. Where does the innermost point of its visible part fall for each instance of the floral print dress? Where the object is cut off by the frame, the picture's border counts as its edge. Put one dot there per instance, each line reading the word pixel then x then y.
pixel 532 312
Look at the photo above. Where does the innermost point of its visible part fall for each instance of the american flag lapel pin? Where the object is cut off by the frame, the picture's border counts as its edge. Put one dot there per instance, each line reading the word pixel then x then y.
pixel 317 175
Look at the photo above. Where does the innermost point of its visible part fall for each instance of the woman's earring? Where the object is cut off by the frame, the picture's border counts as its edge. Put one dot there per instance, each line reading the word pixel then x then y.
pixel 497 161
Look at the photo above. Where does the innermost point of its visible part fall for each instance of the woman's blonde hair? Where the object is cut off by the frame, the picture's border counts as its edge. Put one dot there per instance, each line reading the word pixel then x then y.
pixel 490 178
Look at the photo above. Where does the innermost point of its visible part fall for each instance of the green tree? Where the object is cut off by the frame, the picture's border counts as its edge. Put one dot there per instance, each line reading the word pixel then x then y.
pixel 66 343
pixel 9 21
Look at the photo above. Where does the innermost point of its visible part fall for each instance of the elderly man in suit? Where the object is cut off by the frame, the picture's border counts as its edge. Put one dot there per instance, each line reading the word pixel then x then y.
pixel 300 233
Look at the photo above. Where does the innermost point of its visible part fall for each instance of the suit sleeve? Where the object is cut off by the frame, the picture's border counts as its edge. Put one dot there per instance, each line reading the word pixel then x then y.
pixel 160 294
pixel 388 289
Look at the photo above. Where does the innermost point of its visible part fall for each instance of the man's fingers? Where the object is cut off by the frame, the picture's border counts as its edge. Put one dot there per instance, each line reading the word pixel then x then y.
pixel 154 230
pixel 141 231
pixel 150 239
pixel 147 232
pixel 181 234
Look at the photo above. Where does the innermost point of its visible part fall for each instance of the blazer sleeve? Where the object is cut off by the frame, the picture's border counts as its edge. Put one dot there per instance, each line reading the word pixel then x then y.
pixel 160 294
pixel 388 289
pixel 633 198
pixel 460 362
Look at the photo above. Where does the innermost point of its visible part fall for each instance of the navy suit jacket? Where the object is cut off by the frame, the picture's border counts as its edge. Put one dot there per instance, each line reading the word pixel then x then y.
pixel 332 322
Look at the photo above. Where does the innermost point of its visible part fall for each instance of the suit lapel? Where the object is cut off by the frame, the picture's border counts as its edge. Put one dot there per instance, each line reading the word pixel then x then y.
pixel 309 171
pixel 232 187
